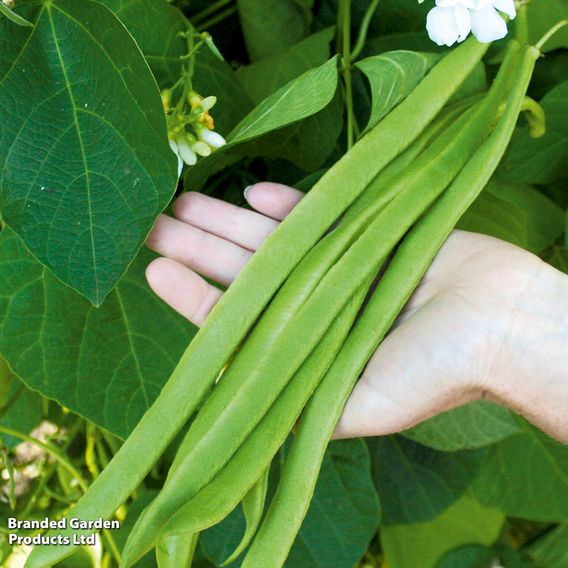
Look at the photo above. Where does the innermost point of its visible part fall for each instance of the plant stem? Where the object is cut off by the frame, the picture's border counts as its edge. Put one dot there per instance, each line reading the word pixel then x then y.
pixel 346 63
pixel 217 18
pixel 364 29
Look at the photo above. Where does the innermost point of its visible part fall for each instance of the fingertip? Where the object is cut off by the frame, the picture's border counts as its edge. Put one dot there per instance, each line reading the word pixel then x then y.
pixel 272 199
pixel 182 289
pixel 156 273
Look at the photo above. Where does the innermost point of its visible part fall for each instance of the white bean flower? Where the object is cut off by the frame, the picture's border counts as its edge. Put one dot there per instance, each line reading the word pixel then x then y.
pixel 202 141
pixel 451 21
pixel 212 139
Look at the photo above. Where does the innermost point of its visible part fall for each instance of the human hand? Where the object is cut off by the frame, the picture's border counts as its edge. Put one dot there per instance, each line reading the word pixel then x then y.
pixel 489 320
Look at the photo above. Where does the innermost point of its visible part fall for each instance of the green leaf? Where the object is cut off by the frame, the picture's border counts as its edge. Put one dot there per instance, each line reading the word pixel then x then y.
pixel 20 408
pixel 543 219
pixel 465 522
pixel 491 215
pixel 526 475
pixel 84 159
pixel 468 557
pixel 541 16
pixel 474 425
pixel 540 160
pixel 416 483
pixel 107 364
pixel 163 47
pixel 344 512
pixel 270 27
pixel 296 100
pixel 261 79
pixel 222 539
pixel 519 214
pixel 551 551
pixel 550 71
pixel 300 98
pixel 12 16
pixel 309 142
pixel 160 43
pixel 392 76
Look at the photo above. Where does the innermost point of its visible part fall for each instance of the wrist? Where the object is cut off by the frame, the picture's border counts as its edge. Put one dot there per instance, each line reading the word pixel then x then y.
pixel 532 376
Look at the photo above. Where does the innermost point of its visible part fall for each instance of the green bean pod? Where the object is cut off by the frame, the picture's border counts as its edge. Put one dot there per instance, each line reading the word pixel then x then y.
pixel 309 272
pixel 253 507
pixel 217 499
pixel 296 291
pixel 240 307
pixel 176 551
pixel 206 449
pixel 289 506
pixel 381 188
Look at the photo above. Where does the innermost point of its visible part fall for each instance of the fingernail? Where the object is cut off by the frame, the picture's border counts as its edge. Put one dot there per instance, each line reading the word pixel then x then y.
pixel 246 190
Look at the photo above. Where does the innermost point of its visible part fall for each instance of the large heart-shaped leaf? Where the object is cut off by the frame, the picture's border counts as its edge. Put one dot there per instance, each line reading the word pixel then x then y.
pixel 526 475
pixel 424 544
pixel 107 364
pixel 85 164
pixel 161 42
pixel 20 408
pixel 416 483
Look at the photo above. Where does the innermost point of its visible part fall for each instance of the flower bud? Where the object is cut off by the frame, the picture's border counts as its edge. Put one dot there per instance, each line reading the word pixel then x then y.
pixel 208 103
pixel 213 139
pixel 185 152
pixel 201 148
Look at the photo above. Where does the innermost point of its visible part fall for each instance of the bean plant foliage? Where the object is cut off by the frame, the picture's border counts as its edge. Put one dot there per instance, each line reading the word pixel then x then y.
pixel 85 345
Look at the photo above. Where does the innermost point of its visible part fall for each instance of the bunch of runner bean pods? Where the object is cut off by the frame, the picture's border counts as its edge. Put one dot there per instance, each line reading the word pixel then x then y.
pixel 290 337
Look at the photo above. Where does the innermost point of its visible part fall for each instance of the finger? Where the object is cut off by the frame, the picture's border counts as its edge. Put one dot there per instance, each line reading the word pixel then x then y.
pixel 242 227
pixel 272 199
pixel 203 252
pixel 197 298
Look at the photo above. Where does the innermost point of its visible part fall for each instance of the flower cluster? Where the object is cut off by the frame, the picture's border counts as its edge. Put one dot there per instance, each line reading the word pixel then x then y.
pixel 453 20
pixel 203 140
